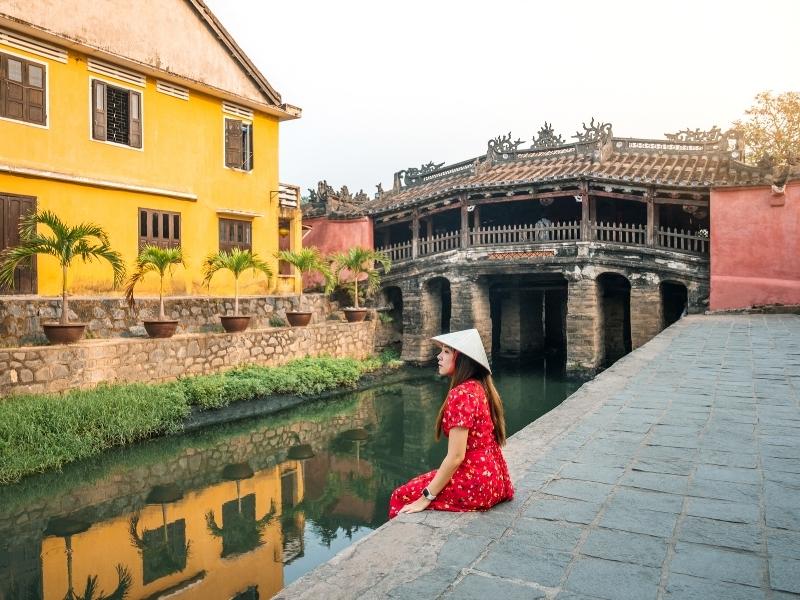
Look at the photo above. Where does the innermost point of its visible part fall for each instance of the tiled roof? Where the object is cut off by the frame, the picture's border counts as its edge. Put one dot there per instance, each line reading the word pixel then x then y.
pixel 665 163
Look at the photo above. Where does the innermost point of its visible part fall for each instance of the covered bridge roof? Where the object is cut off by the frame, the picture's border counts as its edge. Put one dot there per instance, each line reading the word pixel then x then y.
pixel 690 160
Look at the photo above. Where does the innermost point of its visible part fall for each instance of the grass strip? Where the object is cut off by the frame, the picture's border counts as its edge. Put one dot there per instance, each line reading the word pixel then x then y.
pixel 43 432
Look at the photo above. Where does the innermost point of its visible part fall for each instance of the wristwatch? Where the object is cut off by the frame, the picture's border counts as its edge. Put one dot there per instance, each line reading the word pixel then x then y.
pixel 428 496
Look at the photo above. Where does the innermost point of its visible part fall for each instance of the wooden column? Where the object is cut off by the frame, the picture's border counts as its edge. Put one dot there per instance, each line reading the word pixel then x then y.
pixel 430 228
pixel 415 235
pixel 652 217
pixel 585 215
pixel 464 223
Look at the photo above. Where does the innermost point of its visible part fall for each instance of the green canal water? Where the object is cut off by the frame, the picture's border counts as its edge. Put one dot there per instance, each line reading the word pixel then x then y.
pixel 237 511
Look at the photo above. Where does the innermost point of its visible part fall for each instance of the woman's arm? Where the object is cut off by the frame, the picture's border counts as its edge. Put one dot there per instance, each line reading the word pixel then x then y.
pixel 456 449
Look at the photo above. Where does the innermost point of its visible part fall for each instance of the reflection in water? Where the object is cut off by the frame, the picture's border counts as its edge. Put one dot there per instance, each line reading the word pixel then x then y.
pixel 164 551
pixel 235 511
pixel 241 531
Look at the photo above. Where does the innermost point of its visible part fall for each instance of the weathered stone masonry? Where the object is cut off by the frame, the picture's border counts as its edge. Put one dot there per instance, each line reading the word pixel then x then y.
pixel 21 316
pixel 41 369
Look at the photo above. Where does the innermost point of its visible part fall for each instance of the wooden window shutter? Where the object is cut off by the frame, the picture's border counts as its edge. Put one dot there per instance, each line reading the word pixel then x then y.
pixel 2 86
pixel 99 114
pixel 233 143
pixel 35 94
pixel 135 118
pixel 13 77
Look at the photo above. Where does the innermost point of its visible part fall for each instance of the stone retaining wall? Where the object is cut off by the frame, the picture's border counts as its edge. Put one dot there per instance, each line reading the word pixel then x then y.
pixel 107 317
pixel 42 369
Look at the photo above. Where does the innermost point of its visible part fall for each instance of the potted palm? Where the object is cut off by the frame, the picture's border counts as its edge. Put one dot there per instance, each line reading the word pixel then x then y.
pixel 86 241
pixel 306 260
pixel 160 260
pixel 237 262
pixel 360 262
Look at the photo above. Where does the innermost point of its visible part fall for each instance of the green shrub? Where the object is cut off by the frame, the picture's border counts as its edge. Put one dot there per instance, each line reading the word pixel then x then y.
pixel 276 321
pixel 45 432
pixel 385 317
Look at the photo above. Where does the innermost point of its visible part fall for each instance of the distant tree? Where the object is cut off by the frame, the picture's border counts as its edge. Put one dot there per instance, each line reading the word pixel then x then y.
pixel 772 128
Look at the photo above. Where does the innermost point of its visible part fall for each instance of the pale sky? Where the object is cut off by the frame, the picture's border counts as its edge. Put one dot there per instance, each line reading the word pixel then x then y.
pixel 385 86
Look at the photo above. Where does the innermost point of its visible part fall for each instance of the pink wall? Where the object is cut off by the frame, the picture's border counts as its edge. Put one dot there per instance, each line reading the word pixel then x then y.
pixel 755 247
pixel 336 235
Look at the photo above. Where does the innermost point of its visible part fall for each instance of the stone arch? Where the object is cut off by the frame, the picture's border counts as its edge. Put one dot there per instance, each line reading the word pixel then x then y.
pixel 614 293
pixel 392 299
pixel 674 300
pixel 437 305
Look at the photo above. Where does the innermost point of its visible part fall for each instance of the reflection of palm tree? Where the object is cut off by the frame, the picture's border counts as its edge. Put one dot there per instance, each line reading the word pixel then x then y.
pixel 91 592
pixel 241 531
pixel 361 485
pixel 160 557
pixel 66 528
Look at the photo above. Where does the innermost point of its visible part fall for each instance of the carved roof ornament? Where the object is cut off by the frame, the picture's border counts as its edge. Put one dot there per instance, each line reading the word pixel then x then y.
pixel 594 132
pixel 502 148
pixel 413 176
pixel 547 138
pixel 697 135
pixel 322 193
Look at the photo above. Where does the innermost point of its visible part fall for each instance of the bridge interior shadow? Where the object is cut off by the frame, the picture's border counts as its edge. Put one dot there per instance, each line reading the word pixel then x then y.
pixel 529 318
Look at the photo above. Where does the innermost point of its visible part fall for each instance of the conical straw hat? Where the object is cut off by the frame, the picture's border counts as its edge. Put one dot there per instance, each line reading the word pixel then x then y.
pixel 467 342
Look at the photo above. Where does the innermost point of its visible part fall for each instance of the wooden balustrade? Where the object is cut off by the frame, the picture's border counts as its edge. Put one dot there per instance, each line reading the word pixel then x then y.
pixel 569 231
pixel 440 243
pixel 681 240
pixel 397 252
pixel 620 233
pixel 526 234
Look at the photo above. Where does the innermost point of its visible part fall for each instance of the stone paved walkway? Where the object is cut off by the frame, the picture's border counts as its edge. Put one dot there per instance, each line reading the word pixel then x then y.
pixel 674 474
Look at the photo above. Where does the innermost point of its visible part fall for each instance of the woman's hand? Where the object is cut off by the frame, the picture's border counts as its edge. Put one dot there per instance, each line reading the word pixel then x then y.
pixel 418 505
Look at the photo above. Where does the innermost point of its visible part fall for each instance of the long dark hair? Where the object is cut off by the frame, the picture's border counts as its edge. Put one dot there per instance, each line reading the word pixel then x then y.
pixel 466 368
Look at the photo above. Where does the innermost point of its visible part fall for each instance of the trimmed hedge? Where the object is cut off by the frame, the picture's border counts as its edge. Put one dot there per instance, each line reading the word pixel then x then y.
pixel 42 432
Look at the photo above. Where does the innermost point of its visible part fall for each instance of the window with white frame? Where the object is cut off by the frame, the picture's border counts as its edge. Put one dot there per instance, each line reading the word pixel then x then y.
pixel 238 144
pixel 116 114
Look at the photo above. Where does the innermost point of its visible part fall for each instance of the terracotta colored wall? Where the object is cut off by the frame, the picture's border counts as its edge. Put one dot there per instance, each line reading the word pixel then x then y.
pixel 336 236
pixel 755 247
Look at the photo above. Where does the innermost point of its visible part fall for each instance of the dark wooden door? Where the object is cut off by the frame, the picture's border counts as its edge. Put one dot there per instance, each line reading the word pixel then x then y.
pixel 12 209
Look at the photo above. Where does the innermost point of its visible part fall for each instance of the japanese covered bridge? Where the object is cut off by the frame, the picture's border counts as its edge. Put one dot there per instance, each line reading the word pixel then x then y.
pixel 589 248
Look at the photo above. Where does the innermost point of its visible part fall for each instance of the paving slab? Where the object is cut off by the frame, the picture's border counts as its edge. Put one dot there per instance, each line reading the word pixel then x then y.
pixel 674 474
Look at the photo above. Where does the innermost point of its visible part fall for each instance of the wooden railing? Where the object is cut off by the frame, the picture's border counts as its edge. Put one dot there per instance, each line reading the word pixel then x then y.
pixel 439 243
pixel 618 232
pixel 397 252
pixel 569 231
pixel 683 241
pixel 526 234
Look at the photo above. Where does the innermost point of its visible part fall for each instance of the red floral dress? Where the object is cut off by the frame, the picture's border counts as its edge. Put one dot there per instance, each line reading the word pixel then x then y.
pixel 482 479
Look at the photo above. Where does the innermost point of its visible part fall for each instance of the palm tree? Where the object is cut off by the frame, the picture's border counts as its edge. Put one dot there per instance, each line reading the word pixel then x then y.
pixel 237 262
pixel 154 259
pixel 308 260
pixel 360 261
pixel 86 241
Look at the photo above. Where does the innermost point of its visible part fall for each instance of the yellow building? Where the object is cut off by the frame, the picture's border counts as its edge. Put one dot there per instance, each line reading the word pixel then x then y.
pixel 147 119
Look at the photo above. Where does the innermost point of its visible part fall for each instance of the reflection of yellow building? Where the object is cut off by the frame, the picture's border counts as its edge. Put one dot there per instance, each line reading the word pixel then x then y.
pixel 206 574
pixel 153 124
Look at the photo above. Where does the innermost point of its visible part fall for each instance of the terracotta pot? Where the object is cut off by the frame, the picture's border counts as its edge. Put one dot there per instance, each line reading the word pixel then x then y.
pixel 298 318
pixel 63 334
pixel 235 324
pixel 355 315
pixel 160 329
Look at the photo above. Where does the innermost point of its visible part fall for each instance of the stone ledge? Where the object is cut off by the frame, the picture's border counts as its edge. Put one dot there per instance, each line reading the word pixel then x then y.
pixel 406 548
pixel 46 369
